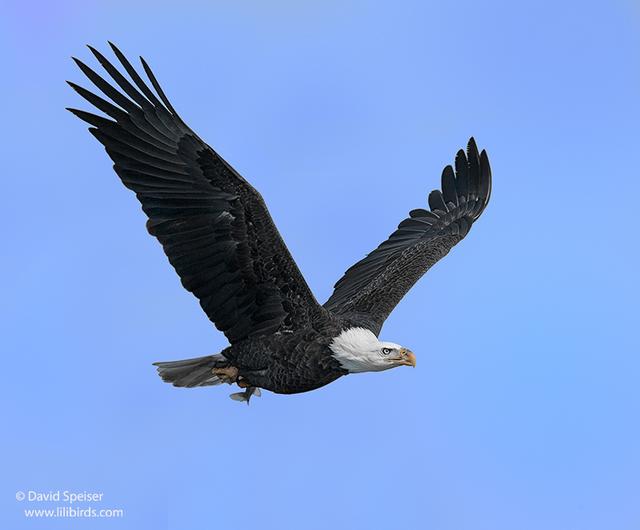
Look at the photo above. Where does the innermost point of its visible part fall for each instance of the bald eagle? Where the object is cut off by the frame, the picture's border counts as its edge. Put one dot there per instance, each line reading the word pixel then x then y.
pixel 217 233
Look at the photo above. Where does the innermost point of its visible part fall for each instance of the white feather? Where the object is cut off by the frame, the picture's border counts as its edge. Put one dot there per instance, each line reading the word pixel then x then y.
pixel 359 350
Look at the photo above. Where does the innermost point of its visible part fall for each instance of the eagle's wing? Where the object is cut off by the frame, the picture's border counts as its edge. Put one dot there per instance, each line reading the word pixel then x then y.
pixel 371 288
pixel 213 225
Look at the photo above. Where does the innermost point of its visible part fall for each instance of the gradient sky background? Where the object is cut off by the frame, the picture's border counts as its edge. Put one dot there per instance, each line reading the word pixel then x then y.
pixel 523 411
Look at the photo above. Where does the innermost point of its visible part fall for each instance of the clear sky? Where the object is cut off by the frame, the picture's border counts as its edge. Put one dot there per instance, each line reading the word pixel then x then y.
pixel 523 411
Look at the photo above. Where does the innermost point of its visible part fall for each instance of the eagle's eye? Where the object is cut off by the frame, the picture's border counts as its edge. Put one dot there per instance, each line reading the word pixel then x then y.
pixel 386 351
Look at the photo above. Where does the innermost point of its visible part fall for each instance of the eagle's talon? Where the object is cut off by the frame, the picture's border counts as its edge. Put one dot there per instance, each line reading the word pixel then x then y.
pixel 229 374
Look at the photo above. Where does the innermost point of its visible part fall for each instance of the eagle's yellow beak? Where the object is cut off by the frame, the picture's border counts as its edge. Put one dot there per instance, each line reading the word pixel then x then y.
pixel 408 358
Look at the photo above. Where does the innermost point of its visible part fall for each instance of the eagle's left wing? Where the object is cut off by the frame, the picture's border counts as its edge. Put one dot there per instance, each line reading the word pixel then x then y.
pixel 371 288
pixel 213 225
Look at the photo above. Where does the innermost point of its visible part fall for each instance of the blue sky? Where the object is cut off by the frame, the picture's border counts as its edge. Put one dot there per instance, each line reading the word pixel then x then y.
pixel 523 410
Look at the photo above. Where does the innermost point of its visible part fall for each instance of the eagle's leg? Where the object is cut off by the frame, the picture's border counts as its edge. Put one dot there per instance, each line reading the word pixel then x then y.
pixel 228 374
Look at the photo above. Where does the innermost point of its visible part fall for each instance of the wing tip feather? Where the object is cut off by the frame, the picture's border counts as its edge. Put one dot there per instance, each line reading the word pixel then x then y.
pixel 468 179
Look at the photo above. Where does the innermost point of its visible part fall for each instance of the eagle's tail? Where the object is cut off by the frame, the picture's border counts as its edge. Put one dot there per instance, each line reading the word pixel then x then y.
pixel 192 372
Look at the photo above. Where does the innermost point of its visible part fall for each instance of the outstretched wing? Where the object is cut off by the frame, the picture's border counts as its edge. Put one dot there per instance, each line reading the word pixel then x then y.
pixel 213 225
pixel 371 288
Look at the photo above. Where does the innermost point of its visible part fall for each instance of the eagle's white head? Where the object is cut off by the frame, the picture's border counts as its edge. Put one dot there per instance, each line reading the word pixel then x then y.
pixel 359 350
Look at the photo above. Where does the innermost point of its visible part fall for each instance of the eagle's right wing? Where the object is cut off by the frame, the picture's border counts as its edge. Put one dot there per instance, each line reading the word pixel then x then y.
pixel 371 288
pixel 213 225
